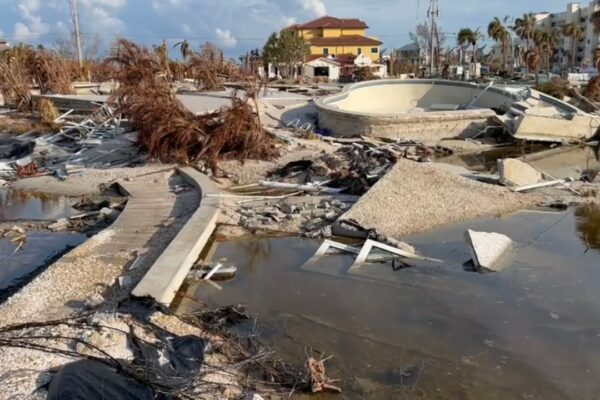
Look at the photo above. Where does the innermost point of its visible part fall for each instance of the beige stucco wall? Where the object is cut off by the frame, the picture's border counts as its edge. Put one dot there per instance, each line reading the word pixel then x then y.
pixel 338 50
pixel 393 98
pixel 432 126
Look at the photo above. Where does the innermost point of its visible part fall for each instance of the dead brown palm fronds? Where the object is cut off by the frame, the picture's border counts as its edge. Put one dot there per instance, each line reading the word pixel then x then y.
pixel 15 77
pixel 170 132
pixel 51 73
pixel 48 112
pixel 209 68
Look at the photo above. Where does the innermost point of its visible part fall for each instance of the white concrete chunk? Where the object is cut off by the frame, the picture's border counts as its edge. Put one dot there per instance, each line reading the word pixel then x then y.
pixel 487 248
pixel 514 172
pixel 543 128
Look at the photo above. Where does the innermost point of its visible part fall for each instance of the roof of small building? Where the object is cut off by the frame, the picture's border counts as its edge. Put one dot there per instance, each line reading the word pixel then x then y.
pixel 318 59
pixel 410 47
pixel 4 45
pixel 349 40
pixel 332 22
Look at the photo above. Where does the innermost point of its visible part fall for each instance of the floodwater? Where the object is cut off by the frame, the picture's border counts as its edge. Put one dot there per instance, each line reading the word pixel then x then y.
pixel 560 162
pixel 21 205
pixel 36 252
pixel 531 331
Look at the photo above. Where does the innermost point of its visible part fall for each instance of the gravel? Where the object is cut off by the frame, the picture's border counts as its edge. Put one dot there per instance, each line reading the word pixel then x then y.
pixel 86 181
pixel 417 197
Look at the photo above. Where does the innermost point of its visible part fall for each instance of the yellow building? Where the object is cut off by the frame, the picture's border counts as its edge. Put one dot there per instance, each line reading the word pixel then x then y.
pixel 329 36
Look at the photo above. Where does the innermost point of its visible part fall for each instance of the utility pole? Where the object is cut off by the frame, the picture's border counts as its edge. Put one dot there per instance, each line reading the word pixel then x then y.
pixel 433 14
pixel 75 17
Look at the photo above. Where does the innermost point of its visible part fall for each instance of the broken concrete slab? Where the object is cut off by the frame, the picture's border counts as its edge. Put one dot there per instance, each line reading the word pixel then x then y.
pixel 577 128
pixel 487 248
pixel 515 172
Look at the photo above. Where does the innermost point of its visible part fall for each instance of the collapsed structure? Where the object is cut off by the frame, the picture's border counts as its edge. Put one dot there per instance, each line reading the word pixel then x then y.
pixel 429 110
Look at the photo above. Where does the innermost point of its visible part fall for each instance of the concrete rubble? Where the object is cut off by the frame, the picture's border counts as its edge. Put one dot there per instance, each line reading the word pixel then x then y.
pixel 488 249
pixel 515 172
pixel 534 120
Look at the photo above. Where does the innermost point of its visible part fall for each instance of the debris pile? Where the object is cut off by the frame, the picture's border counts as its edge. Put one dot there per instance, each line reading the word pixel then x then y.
pixel 311 216
pixel 352 169
pixel 98 141
pixel 170 132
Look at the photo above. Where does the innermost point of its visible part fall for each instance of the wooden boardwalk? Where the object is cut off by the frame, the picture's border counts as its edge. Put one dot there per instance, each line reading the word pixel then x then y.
pixel 148 207
pixel 98 262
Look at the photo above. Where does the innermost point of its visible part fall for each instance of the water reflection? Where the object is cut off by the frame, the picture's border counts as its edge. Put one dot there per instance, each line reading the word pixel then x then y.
pixel 21 205
pixel 588 225
pixel 38 249
pixel 531 331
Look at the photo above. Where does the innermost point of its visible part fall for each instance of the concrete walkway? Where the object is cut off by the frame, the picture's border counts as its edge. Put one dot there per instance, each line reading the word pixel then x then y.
pixel 95 265
pixel 165 277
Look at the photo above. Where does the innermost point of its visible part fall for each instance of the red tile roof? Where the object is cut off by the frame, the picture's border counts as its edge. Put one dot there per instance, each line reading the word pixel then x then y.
pixel 345 58
pixel 349 40
pixel 332 22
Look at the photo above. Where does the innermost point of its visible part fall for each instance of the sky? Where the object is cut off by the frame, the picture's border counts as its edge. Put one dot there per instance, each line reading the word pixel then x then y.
pixel 241 25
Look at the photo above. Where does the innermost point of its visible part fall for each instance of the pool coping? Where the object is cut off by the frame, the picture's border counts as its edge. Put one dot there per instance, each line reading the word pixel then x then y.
pixel 324 104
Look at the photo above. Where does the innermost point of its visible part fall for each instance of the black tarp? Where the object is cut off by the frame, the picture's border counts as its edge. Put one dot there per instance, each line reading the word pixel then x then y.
pixel 93 380
pixel 14 148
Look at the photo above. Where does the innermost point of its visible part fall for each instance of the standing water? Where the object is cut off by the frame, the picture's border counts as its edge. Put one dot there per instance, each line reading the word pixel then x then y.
pixel 530 331
pixel 21 205
pixel 21 260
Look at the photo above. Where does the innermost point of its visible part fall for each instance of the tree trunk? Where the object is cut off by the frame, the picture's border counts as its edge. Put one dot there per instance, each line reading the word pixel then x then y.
pixel 527 61
pixel 505 50
pixel 574 53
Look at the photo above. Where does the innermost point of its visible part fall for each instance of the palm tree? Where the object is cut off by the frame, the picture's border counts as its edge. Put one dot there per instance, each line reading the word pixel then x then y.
pixel 467 36
pixel 532 61
pixel 595 20
pixel 162 52
pixel 185 48
pixel 575 32
pixel 525 27
pixel 498 31
pixel 546 40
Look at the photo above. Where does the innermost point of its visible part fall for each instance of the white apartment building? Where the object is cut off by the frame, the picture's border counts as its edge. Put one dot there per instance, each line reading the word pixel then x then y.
pixel 587 47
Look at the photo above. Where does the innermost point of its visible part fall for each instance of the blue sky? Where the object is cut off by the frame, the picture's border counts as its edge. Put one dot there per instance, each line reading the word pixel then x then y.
pixel 240 25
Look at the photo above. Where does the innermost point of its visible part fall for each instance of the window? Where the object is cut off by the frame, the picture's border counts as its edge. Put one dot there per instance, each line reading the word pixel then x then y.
pixel 359 51
pixel 325 51
pixel 374 50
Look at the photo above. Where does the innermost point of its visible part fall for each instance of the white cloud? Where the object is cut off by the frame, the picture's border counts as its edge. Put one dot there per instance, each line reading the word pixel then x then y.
pixel 103 21
pixel 32 26
pixel 315 7
pixel 225 38
pixel 157 4
pixel 104 3
pixel 29 5
pixel 186 29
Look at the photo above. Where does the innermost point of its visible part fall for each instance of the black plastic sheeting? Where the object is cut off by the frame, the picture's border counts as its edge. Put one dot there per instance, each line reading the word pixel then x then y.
pixel 93 380
pixel 14 148
pixel 167 366
pixel 185 355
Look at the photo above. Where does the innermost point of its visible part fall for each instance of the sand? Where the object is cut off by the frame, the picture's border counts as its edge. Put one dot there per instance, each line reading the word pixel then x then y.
pixel 417 197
